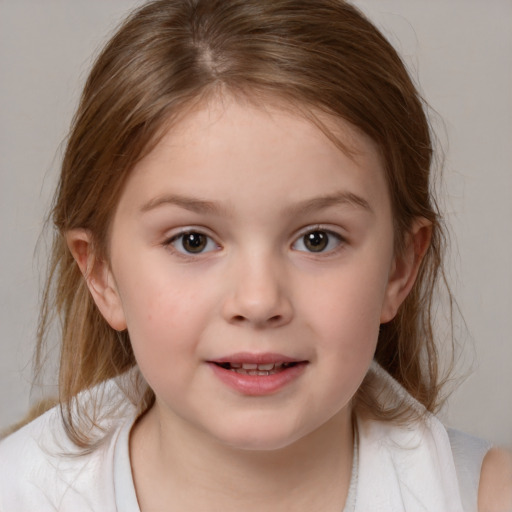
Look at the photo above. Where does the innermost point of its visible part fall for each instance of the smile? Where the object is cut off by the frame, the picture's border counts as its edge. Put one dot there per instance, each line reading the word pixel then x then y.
pixel 257 374
pixel 256 369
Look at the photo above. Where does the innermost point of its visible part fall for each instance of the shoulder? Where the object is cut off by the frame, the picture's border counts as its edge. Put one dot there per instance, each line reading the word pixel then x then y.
pixel 406 465
pixel 435 463
pixel 495 490
pixel 41 469
pixel 26 462
pixel 28 440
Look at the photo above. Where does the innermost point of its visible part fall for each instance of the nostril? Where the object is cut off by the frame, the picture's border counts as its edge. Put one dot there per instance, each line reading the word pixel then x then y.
pixel 272 320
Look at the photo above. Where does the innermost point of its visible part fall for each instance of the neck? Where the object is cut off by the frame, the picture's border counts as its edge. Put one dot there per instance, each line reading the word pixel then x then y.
pixel 312 473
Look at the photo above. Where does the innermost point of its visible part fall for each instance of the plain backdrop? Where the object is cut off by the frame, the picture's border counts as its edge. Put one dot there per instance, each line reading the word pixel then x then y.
pixel 460 51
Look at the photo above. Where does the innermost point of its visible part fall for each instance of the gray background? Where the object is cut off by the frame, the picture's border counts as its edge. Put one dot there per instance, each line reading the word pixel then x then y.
pixel 461 53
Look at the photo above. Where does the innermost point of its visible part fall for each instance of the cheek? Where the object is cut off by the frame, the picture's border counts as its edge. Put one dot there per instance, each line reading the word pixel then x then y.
pixel 165 310
pixel 346 326
pixel 344 316
pixel 164 325
pixel 348 303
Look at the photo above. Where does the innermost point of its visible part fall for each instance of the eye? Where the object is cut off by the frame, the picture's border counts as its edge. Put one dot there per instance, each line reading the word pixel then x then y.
pixel 192 242
pixel 318 240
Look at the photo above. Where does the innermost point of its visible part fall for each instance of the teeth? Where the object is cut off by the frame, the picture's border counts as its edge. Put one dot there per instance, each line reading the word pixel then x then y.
pixel 256 369
pixel 253 366
pixel 265 367
pixel 254 372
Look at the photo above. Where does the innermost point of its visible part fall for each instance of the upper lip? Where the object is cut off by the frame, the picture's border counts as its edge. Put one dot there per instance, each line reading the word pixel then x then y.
pixel 252 358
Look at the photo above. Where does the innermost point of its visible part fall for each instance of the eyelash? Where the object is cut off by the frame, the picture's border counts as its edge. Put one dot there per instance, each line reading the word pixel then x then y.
pixel 329 237
pixel 208 242
pixel 325 240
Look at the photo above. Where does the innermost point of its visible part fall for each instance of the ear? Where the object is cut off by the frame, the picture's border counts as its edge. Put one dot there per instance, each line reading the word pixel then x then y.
pixel 98 276
pixel 405 267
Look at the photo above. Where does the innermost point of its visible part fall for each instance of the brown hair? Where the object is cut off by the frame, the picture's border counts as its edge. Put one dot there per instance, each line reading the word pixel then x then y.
pixel 171 54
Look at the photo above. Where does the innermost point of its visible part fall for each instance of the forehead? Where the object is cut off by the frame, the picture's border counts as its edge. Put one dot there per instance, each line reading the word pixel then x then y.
pixel 235 148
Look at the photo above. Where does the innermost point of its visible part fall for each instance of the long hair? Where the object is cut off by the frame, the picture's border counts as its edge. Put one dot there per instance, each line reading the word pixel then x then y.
pixel 323 56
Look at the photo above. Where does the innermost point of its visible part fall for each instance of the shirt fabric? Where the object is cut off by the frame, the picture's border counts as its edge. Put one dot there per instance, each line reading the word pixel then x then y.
pixel 420 466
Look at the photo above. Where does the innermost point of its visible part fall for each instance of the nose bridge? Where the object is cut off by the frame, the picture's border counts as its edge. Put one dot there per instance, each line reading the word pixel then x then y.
pixel 259 293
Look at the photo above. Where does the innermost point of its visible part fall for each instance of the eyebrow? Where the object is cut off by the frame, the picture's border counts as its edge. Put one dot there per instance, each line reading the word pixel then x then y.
pixel 328 201
pixel 202 206
pixel 188 203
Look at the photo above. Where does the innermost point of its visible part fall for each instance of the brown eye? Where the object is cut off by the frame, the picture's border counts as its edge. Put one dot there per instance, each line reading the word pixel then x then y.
pixel 193 243
pixel 316 241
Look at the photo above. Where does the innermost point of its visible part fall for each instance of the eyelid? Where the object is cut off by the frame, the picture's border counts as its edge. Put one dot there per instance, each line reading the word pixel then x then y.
pixel 330 231
pixel 169 241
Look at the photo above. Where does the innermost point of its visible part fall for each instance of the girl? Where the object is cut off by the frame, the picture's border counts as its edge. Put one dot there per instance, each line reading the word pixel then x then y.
pixel 245 254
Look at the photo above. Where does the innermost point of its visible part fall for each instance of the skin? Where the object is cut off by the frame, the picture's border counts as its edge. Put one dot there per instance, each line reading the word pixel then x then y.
pixel 495 490
pixel 226 173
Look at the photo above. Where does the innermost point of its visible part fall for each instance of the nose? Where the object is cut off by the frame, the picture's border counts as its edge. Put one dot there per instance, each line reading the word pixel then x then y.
pixel 258 295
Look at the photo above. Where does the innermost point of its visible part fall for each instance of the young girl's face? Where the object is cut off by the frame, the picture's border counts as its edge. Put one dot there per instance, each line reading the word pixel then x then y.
pixel 252 262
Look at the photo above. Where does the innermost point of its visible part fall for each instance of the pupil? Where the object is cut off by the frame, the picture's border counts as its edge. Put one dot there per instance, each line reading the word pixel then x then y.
pixel 316 241
pixel 194 242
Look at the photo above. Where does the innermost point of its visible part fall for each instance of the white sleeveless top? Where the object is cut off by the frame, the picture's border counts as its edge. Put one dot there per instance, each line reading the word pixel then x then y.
pixel 418 467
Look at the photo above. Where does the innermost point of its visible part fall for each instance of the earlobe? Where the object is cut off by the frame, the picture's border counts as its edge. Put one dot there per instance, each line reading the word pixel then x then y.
pixel 98 277
pixel 405 267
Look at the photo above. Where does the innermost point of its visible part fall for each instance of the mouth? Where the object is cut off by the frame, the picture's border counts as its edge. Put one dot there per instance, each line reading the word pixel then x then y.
pixel 257 369
pixel 258 374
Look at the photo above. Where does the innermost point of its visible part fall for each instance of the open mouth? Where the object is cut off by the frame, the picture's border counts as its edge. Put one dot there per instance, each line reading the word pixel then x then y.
pixel 257 369
pixel 257 374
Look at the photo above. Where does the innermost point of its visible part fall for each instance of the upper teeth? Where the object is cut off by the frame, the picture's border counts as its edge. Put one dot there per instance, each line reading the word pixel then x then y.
pixel 254 366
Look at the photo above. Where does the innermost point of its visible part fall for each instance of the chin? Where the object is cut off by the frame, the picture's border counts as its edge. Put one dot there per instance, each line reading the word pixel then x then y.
pixel 262 437
pixel 260 444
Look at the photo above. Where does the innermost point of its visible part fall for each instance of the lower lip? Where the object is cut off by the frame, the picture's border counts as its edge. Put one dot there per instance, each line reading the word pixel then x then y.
pixel 258 385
